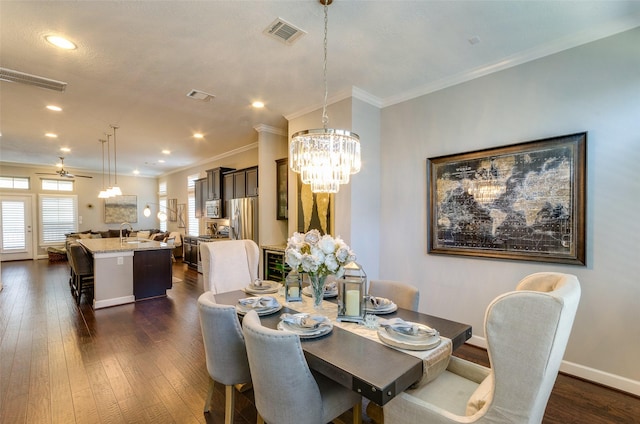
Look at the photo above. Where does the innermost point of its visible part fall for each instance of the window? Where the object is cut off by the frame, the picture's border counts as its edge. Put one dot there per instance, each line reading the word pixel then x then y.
pixel 162 201
pixel 58 216
pixel 18 183
pixel 193 225
pixel 13 234
pixel 57 185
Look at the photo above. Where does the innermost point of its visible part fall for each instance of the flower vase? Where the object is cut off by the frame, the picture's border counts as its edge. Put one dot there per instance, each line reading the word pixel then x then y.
pixel 317 289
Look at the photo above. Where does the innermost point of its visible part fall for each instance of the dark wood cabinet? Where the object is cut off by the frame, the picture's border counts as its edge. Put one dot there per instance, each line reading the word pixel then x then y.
pixel 239 184
pixel 282 188
pixel 151 273
pixel 201 189
pixel 227 192
pixel 251 182
pixel 215 184
pixel 190 252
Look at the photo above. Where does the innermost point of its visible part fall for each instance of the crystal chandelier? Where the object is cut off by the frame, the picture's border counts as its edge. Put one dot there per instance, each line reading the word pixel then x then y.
pixel 325 157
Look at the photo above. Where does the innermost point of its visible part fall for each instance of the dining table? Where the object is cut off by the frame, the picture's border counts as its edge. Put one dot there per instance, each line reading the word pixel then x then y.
pixel 363 364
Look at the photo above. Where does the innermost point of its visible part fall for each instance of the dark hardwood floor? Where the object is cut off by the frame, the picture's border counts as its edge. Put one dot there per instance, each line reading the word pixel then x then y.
pixel 144 362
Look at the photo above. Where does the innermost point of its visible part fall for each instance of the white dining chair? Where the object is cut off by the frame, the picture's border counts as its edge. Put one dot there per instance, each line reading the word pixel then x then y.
pixel 224 348
pixel 404 295
pixel 527 332
pixel 286 391
pixel 229 265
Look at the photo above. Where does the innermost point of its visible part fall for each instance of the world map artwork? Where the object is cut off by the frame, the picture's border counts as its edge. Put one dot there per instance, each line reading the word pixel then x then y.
pixel 513 202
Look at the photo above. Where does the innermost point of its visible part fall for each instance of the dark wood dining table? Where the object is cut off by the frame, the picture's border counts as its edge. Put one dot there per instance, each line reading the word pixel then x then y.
pixel 376 371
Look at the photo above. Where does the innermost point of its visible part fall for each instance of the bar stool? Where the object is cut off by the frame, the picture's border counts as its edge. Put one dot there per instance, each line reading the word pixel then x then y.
pixel 82 265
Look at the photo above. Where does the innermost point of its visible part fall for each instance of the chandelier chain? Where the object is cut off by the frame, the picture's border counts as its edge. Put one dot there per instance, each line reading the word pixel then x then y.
pixel 325 117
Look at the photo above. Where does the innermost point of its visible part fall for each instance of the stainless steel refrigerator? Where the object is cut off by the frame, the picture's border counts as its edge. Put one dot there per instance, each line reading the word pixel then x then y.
pixel 243 219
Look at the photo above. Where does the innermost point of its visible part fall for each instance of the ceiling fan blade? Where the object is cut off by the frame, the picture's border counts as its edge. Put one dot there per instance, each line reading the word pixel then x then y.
pixel 47 173
pixel 83 176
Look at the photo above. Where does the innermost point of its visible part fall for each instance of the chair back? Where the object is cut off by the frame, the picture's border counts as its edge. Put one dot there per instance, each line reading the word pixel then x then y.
pixel 229 265
pixel 284 388
pixel 81 260
pixel 224 346
pixel 402 294
pixel 527 331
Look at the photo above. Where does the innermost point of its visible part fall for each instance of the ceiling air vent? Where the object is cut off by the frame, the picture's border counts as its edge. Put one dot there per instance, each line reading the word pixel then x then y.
pixel 33 80
pixel 200 95
pixel 283 31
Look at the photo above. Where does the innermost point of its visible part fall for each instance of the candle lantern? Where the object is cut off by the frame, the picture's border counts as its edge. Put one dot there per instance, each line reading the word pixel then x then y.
pixel 293 287
pixel 351 290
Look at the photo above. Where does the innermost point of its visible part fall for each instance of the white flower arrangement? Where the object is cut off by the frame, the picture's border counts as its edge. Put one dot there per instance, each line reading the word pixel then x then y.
pixel 317 254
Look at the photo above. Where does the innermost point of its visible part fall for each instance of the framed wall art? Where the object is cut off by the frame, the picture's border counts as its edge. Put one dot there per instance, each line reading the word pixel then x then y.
pixel 182 207
pixel 523 201
pixel 121 209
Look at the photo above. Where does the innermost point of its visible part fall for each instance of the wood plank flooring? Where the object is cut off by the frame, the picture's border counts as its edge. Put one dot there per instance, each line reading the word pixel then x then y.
pixel 144 362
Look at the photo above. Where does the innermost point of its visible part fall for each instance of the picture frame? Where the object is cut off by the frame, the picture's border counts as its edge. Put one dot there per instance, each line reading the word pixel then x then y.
pixel 282 189
pixel 315 210
pixel 121 209
pixel 523 201
pixel 172 206
pixel 182 207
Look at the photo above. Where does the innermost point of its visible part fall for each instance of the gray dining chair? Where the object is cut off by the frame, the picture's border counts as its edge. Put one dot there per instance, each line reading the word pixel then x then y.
pixel 286 390
pixel 402 294
pixel 224 349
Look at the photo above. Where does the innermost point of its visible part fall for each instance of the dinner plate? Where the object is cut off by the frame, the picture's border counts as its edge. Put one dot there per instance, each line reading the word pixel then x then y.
pixel 241 310
pixel 327 294
pixel 424 333
pixel 266 288
pixel 392 338
pixel 304 333
pixel 385 309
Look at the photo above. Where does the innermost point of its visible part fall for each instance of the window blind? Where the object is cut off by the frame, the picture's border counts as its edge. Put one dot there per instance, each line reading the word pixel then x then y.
pixel 58 216
pixel 13 234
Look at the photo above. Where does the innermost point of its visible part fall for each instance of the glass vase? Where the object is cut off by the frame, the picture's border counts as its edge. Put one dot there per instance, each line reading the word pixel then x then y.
pixel 317 289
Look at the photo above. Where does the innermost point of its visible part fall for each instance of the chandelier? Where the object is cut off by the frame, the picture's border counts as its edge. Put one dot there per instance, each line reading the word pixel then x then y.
pixel 325 157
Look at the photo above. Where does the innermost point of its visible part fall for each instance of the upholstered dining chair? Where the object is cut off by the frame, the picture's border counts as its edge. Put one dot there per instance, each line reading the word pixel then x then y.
pixel 285 389
pixel 224 348
pixel 82 266
pixel 402 294
pixel 229 265
pixel 527 332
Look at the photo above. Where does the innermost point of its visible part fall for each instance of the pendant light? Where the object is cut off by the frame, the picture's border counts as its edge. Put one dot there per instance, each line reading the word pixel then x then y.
pixel 103 193
pixel 115 190
pixel 325 157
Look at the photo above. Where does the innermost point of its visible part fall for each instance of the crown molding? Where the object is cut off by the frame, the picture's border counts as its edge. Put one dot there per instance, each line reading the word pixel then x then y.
pixel 230 153
pixel 270 129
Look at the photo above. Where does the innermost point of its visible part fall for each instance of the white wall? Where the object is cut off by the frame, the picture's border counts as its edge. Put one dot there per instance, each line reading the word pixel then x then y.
pixel 594 88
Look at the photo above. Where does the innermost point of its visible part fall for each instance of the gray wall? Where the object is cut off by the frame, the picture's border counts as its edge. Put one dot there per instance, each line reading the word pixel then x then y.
pixel 594 88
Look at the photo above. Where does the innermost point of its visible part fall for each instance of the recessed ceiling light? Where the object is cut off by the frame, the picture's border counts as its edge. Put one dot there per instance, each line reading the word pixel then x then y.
pixel 166 152
pixel 257 104
pixel 160 160
pixel 198 135
pixel 136 172
pixel 65 149
pixel 54 108
pixel 51 135
pixel 61 42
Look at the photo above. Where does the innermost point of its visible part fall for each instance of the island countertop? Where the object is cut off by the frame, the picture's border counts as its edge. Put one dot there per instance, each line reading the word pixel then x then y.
pixel 112 245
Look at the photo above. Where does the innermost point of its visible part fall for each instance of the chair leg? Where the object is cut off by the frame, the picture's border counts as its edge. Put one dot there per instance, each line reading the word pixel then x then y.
pixel 357 413
pixel 375 412
pixel 207 402
pixel 229 404
pixel 260 420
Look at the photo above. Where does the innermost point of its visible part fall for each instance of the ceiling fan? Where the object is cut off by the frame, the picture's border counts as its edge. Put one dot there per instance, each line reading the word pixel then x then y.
pixel 63 172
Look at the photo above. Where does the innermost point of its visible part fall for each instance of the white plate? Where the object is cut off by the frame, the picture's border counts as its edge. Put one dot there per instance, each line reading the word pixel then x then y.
pixel 392 339
pixel 327 294
pixel 266 288
pixel 242 309
pixel 305 334
pixel 380 311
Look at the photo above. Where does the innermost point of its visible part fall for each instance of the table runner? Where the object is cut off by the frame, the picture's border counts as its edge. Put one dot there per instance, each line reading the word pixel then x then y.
pixel 434 360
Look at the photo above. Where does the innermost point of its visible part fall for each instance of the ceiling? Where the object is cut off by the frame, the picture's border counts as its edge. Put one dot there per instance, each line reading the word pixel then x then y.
pixel 137 60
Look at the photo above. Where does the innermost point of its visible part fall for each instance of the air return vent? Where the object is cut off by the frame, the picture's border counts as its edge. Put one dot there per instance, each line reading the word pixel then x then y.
pixel 283 31
pixel 200 95
pixel 33 80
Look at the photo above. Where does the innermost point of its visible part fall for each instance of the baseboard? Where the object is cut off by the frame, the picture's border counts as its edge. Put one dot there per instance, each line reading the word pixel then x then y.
pixel 98 304
pixel 580 371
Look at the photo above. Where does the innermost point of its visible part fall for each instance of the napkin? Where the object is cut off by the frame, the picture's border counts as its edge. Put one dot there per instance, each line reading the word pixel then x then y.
pixel 407 328
pixel 261 302
pixel 378 302
pixel 331 287
pixel 305 321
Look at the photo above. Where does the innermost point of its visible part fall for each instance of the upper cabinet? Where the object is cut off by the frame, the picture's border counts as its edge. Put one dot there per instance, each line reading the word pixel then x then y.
pixel 215 189
pixel 241 183
pixel 200 188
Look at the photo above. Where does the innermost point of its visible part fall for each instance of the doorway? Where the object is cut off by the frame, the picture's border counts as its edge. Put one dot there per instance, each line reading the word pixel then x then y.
pixel 16 228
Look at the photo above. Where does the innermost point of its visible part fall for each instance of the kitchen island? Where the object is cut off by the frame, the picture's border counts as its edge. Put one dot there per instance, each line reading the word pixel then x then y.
pixel 129 270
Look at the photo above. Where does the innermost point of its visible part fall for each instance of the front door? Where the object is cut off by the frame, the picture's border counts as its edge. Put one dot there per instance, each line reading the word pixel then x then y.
pixel 16 236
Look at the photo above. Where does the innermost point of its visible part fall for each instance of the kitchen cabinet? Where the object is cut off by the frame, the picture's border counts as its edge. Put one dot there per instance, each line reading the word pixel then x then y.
pixel 251 182
pixel 227 192
pixel 151 273
pixel 241 183
pixel 190 252
pixel 215 185
pixel 201 188
pixel 282 188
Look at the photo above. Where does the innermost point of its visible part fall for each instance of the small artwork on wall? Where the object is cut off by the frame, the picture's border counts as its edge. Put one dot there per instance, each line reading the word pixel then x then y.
pixel 314 209
pixel 121 209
